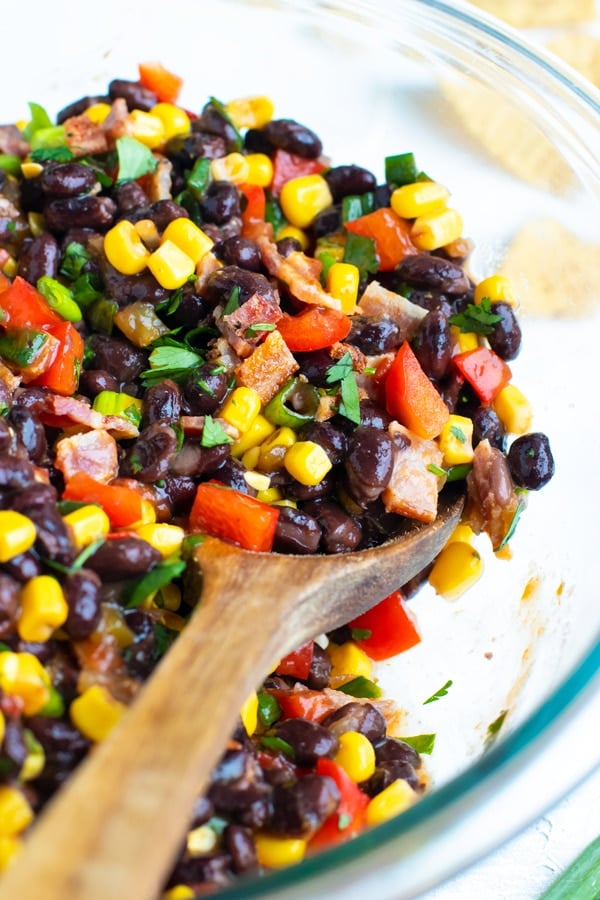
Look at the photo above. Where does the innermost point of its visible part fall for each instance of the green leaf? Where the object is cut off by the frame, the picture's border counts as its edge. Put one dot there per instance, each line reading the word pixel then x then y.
pixel 74 258
pixel 521 505
pixel 134 159
pixel 198 178
pixel 440 693
pixel 269 710
pixel 152 581
pixel 494 727
pixel 213 434
pixel 342 372
pixel 458 433
pixel 361 687
pixel 278 745
pixel 233 301
pixel 344 821
pixel 163 638
pixel 476 318
pixel 360 252
pixel 39 120
pixel 340 369
pixel 360 634
pixel 273 213
pixel 60 154
pixel 170 362
pixel 422 743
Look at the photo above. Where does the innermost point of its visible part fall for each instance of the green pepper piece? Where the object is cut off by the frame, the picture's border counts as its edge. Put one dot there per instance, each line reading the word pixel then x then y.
pixel 302 395
pixel 11 164
pixel 59 298
pixel 197 179
pixel 354 206
pixel 401 169
pixel 48 138
pixel 23 346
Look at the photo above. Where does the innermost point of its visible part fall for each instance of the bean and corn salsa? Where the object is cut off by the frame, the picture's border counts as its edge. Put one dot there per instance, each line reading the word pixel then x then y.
pixel 206 327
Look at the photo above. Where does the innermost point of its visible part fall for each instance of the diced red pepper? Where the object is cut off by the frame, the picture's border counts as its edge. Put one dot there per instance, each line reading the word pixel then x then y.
pixel 287 166
pixel 123 505
pixel 392 628
pixel 63 375
pixel 349 819
pixel 484 370
pixel 298 663
pixel 161 81
pixel 254 210
pixel 390 233
pixel 24 307
pixel 315 328
pixel 411 397
pixel 307 704
pixel 233 516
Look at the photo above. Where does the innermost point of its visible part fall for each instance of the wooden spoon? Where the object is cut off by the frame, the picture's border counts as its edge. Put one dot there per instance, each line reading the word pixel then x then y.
pixel 115 829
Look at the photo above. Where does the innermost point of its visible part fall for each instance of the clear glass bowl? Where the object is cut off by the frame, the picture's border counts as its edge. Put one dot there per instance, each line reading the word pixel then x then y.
pixel 511 133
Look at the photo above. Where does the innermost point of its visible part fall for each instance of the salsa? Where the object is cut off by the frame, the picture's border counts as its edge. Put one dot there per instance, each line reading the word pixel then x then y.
pixel 207 327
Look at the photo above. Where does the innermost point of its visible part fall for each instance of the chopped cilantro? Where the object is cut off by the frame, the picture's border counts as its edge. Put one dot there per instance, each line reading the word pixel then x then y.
pixel 213 434
pixel 342 373
pixel 422 743
pixel 458 433
pixel 73 260
pixel 344 821
pixel 360 252
pixel 440 693
pixel 258 328
pixel 134 159
pixel 494 727
pixel 476 318
pixel 361 687
pixel 521 505
pixel 51 154
pixel 170 362
pixel 233 302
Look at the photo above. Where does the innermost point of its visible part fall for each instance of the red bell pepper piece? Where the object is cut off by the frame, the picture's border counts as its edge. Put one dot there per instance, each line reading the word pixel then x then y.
pixel 164 83
pixel 411 397
pixel 315 328
pixel 123 505
pixel 233 516
pixel 297 664
pixel 63 375
pixel 24 307
pixel 392 628
pixel 484 370
pixel 349 819
pixel 390 233
pixel 254 210
pixel 306 704
pixel 287 166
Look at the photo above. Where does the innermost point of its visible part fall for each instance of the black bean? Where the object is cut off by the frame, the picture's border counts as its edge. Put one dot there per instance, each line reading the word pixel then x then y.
pixel 432 344
pixel 299 809
pixel 67 179
pixel 256 814
pixel 30 433
pixel 23 567
pixel 349 180
pixel 381 197
pixel 315 366
pixel 149 457
pixel 57 735
pixel 79 106
pixel 7 437
pixel 293 490
pixel 239 843
pixel 184 150
pixel 195 460
pixel 93 381
pixel 125 289
pixel 122 558
pixel 191 310
pixel 487 426
pixel 87 212
pixel 320 670
pixel 82 593
pixel 54 539
pixel 369 463
pixel 296 532
pixel 180 491
pixel 373 336
pixel 204 390
pixel 220 202
pixel 362 717
pixel 13 751
pixel 232 473
pixel 309 740
pixel 395 750
pixel 505 339
pixel 139 656
pixel 31 196
pixel 388 772
pixel 287 134
pixel 373 415
pixel 135 95
pixel 39 257
pixel 434 273
pixel 213 122
pixel 328 221
pixel 236 782
pixel 117 357
pixel 9 603
pixel 331 438
pixel 202 812
pixel 213 868
pixel 530 461
pixel 239 251
pixel 15 473
pixel 288 245
pixel 162 401
pixel 341 532
pixel 129 195
pixel 228 279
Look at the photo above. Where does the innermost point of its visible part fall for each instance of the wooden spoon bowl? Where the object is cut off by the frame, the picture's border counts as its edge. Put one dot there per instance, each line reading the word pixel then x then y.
pixel 113 831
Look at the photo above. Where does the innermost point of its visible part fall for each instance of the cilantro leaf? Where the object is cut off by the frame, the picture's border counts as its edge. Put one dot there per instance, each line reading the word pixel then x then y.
pixel 494 727
pixel 342 373
pixel 361 687
pixel 51 154
pixel 476 318
pixel 422 743
pixel 135 159
pixel 521 505
pixel 213 434
pixel 360 252
pixel 458 433
pixel 439 693
pixel 168 361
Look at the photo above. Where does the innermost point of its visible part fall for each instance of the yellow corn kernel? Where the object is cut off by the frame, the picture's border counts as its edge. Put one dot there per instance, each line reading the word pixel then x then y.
pixel 233 168
pixel 10 847
pixel 34 761
pixel 11 267
pixel 174 119
pixel 396 798
pixel 15 812
pixel 302 198
pixel 495 288
pixel 437 229
pixel 356 756
pixel 260 169
pixel 147 128
pixel 43 608
pixel 342 283
pixel 22 675
pixel 98 112
pixel 514 410
pixel 464 533
pixel 270 495
pixel 307 462
pixel 31 169
pixel 456 569
pixel 17 534
pixel 125 249
pixel 464 340
pixel 170 265
pixel 201 840
pixel 257 480
pixel 249 713
pixel 456 440
pixel 275 852
pixel 349 660
pixel 179 892
pixel 170 597
pixel 290 231
pixel 162 536
pixel 418 199
pixel 250 458
pixel 35 221
pixel 148 515
pixel 148 232
pixel 189 238
pixel 259 431
pixel 273 450
pixel 250 112
pixel 96 712
pixel 86 524
pixel 241 408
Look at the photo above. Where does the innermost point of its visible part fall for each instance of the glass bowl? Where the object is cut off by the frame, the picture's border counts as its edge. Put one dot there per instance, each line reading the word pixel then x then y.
pixel 510 131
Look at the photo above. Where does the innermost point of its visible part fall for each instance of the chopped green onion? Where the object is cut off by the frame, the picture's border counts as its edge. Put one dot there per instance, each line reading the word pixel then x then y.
pixel 59 298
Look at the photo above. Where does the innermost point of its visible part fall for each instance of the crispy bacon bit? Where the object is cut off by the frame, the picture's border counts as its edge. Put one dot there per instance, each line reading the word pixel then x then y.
pixel 239 326
pixel 378 302
pixel 93 452
pixel 11 141
pixel 300 273
pixel 268 368
pixel 204 269
pixel 157 184
pixel 11 380
pixel 63 412
pixel 492 501
pixel 413 489
pixel 118 122
pixel 84 137
pixel 359 360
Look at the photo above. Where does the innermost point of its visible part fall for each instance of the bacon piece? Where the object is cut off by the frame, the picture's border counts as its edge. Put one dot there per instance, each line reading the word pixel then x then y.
pixel 84 137
pixel 413 489
pixel 238 326
pixel 157 184
pixel 300 273
pixel 378 302
pixel 492 501
pixel 268 368
pixel 93 452
pixel 62 412
pixel 11 141
pixel 118 122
